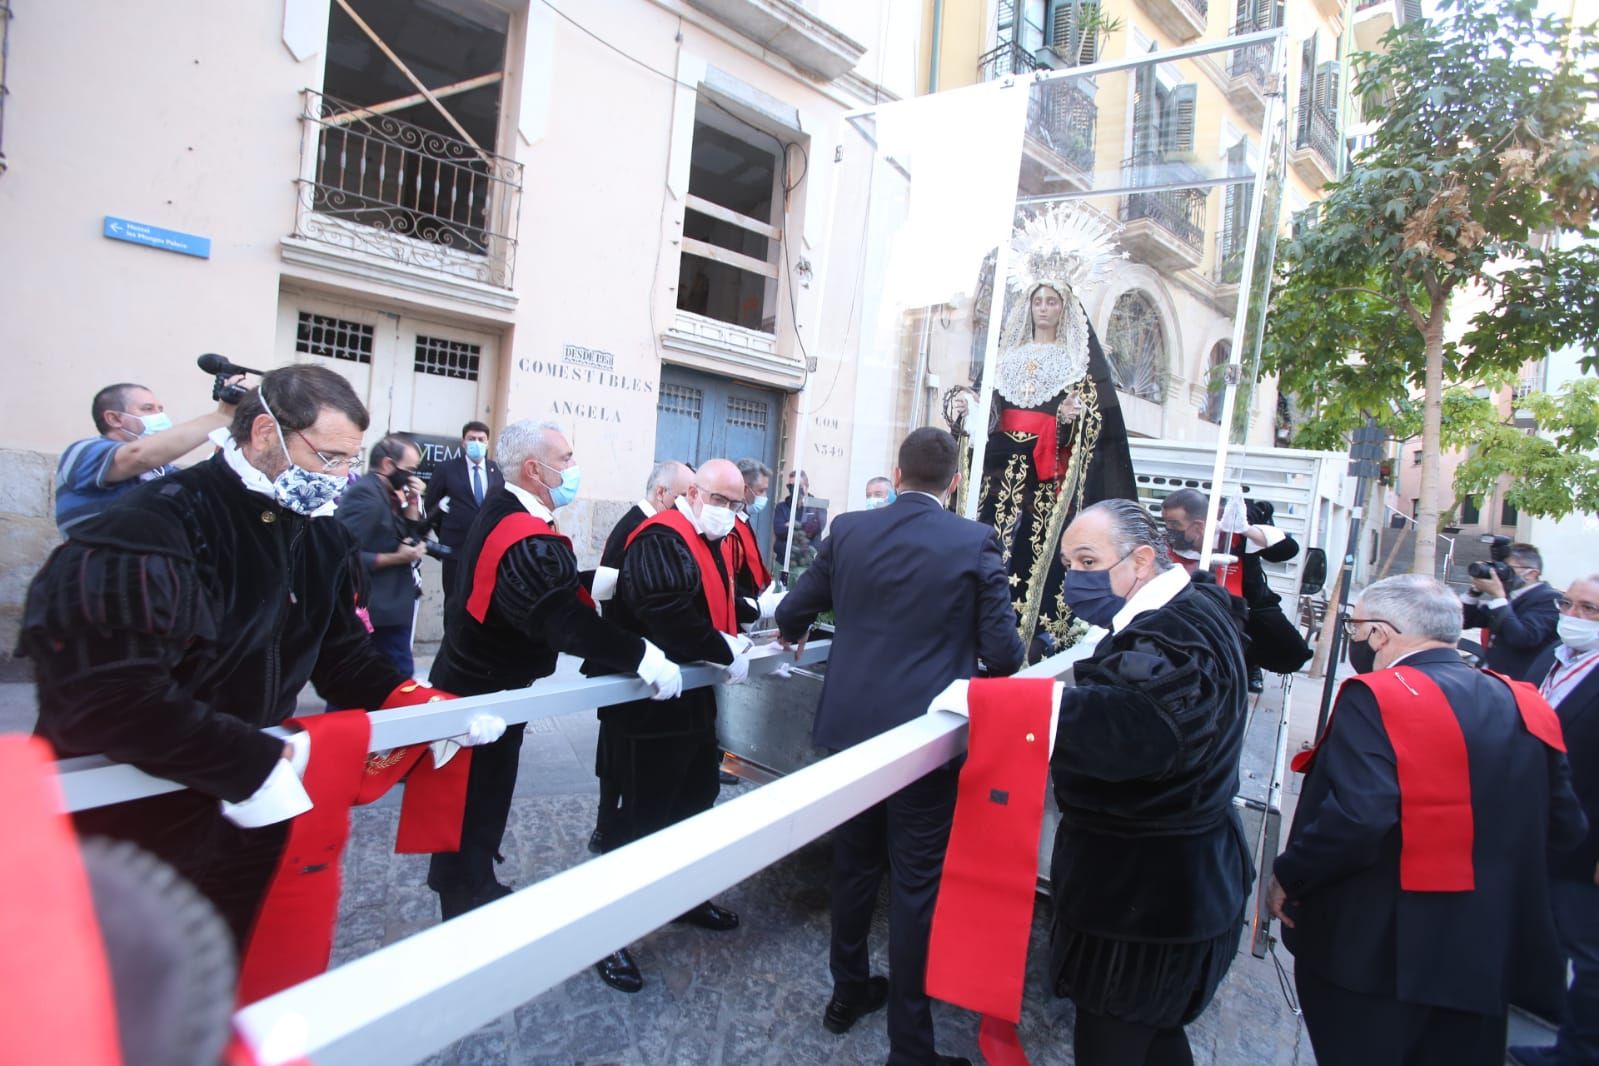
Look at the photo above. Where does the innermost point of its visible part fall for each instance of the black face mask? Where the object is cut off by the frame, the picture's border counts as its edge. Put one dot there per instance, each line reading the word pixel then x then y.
pixel 399 478
pixel 1362 656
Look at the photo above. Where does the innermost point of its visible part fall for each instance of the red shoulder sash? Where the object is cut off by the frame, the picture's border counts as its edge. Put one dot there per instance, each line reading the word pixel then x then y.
pixel 751 551
pixel 718 592
pixel 1435 816
pixel 514 527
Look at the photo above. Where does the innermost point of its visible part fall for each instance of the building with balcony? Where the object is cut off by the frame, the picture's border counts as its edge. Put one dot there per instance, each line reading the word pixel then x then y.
pixel 1168 315
pixel 613 214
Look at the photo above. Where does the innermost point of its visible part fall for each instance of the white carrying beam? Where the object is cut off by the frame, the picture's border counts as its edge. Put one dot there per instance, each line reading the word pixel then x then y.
pixel 407 1001
pixel 94 781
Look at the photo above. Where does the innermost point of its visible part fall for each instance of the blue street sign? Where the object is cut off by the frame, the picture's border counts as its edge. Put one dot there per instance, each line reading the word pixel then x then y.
pixel 168 240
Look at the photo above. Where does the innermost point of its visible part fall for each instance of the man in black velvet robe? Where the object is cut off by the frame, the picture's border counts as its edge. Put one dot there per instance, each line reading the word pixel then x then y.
pixel 521 604
pixel 1150 869
pixel 668 480
pixel 183 620
pixel 676 588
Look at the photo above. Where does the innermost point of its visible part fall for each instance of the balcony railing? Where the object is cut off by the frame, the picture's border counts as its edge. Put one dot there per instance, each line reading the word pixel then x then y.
pixel 1180 212
pixel 1059 114
pixel 1318 131
pixel 1250 62
pixel 378 184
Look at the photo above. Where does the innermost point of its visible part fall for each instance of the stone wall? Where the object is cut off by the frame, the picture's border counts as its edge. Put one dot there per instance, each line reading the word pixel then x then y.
pixel 27 534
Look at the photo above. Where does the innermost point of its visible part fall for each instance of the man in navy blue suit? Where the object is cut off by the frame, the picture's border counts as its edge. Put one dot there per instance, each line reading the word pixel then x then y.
pixel 921 598
pixel 456 490
pixel 1568 677
pixel 1414 882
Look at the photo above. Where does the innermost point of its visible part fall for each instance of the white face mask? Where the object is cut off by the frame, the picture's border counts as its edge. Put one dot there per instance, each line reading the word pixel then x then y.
pixel 1578 634
pixel 717 522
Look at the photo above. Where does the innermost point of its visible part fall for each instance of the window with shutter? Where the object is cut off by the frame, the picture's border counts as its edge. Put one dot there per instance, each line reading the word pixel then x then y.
pixel 1073 31
pixel 1327 89
pixel 1146 115
pixel 1178 121
pixel 1307 84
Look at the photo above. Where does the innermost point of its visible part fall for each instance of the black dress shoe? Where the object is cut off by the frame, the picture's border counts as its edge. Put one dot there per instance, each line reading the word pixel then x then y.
pixel 728 779
pixel 597 842
pixel 709 916
pixel 841 1013
pixel 455 902
pixel 1257 682
pixel 620 972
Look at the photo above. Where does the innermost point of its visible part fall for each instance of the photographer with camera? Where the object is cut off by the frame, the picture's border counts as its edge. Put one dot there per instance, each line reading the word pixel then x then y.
pixel 137 442
pixel 383 512
pixel 1516 609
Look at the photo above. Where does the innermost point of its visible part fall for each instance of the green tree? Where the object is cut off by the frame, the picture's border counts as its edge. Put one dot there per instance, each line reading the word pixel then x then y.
pixel 1486 142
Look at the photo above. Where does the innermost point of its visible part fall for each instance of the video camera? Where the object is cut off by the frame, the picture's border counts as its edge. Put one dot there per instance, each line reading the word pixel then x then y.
pixel 221 390
pixel 1497 564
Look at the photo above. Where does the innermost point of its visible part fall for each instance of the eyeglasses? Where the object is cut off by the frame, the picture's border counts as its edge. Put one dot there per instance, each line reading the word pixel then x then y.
pixel 1579 608
pixel 716 499
pixel 350 464
pixel 1350 623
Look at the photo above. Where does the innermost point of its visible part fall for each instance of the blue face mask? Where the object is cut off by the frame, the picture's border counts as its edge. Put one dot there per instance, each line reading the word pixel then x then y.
pixel 566 491
pixel 1089 595
pixel 476 450
pixel 757 506
pixel 156 423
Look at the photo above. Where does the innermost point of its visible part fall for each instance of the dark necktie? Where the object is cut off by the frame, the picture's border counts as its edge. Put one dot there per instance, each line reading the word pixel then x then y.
pixel 477 484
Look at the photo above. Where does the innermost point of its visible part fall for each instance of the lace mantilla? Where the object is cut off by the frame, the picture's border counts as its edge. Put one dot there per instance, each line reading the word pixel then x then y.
pixel 1031 373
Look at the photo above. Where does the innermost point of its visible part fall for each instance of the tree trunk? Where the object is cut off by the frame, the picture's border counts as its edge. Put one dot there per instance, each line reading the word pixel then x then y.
pixel 1425 559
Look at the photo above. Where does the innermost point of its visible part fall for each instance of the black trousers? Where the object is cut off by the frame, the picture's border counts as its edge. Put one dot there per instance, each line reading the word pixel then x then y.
pixel 230 866
pixel 904 835
pixel 468 874
pixel 1354 1029
pixel 449 570
pixel 608 821
pixel 1100 1040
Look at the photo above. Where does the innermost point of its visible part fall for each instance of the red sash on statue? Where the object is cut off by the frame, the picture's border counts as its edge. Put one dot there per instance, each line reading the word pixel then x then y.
pixel 977 953
pixel 751 551
pixel 292 936
pixel 1436 827
pixel 58 1004
pixel 514 527
pixel 718 592
pixel 1046 449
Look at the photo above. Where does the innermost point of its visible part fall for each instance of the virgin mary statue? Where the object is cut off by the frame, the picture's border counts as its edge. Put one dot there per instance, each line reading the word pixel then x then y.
pixel 1056 439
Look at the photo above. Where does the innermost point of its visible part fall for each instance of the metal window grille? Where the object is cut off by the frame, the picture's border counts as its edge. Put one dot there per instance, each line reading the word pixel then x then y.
pixel 746 414
pixel 334 338
pixel 680 400
pixel 447 358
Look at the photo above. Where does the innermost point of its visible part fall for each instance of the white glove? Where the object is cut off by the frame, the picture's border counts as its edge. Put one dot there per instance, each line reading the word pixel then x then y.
pixel 769 600
pixel 482 729
pixel 739 668
pixel 952 699
pixel 663 673
pixel 1233 519
pixel 281 796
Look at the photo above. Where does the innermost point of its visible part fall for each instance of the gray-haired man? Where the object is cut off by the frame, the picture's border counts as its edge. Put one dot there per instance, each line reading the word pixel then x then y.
pixel 521 604
pixel 1415 876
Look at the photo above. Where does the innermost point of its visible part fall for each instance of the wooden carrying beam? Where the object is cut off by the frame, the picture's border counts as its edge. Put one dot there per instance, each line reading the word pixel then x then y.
pixel 344 118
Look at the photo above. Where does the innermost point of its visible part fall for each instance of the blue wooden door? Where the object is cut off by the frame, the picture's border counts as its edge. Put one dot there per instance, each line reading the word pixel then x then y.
pixel 700 416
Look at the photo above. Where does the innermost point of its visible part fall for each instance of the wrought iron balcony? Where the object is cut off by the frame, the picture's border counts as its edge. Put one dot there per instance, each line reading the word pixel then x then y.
pixel 1180 212
pixel 1064 117
pixel 1008 60
pixel 1252 61
pixel 1060 115
pixel 1318 135
pixel 373 183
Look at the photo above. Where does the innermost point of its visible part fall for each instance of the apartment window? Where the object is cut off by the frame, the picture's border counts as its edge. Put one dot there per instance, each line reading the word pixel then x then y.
pixel 1163 117
pixel 1470 514
pixel 1508 514
pixel 1216 381
pixel 1136 344
pixel 1074 29
pixel 1415 457
pixel 731 229
pixel 1024 22
pixel 394 160
pixel 1234 236
pixel 1318 102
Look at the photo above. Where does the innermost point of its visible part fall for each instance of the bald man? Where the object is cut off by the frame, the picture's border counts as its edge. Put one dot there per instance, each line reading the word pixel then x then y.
pixel 675 587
